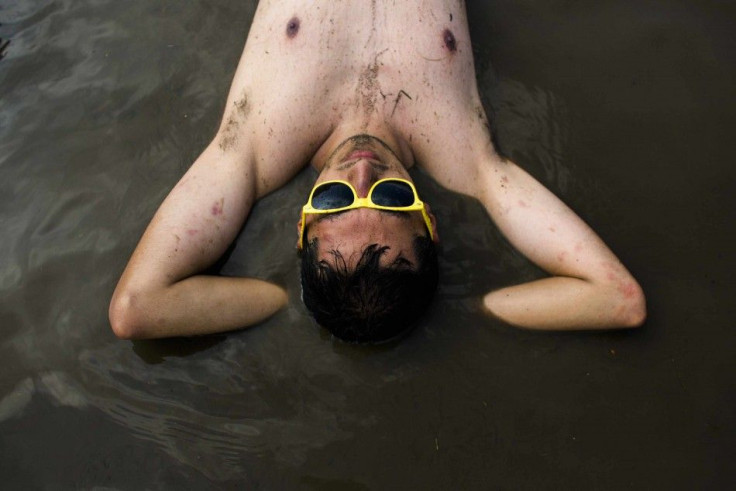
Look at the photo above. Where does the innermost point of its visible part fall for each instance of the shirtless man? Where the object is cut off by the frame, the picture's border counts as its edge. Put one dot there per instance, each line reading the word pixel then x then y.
pixel 362 91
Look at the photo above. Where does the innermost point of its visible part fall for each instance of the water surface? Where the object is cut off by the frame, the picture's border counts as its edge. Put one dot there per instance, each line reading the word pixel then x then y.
pixel 624 109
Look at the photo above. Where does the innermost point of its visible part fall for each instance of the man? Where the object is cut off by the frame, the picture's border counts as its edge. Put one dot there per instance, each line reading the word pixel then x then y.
pixel 362 91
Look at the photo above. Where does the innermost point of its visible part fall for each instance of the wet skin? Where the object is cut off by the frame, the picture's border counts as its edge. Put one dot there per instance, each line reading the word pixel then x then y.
pixel 362 161
pixel 402 72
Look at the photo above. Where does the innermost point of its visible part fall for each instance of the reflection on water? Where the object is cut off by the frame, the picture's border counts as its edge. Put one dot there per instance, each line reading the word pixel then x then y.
pixel 104 104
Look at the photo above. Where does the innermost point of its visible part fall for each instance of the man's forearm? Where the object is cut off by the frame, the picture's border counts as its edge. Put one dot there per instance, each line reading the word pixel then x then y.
pixel 563 303
pixel 196 305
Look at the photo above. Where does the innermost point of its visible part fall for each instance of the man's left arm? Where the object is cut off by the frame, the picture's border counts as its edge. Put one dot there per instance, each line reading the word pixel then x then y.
pixel 588 288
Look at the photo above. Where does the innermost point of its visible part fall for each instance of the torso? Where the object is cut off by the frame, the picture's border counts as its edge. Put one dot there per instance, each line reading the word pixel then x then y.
pixel 316 72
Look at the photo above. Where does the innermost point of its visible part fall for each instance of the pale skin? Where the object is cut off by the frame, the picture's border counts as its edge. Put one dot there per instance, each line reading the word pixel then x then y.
pixel 403 73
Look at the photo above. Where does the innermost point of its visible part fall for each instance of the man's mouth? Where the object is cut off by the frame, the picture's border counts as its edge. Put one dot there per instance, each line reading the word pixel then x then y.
pixel 362 154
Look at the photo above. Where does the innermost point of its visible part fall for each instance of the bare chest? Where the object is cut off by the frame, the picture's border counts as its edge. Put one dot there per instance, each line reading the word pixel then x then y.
pixel 321 66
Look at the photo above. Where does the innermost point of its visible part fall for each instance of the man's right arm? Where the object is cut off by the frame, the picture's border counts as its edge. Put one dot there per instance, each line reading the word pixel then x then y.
pixel 161 292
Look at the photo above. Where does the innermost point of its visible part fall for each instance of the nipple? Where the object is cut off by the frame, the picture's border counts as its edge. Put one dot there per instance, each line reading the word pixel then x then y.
pixel 292 27
pixel 449 39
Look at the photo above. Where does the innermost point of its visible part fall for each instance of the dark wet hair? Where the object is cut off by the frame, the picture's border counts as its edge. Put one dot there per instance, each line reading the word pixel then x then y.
pixel 370 304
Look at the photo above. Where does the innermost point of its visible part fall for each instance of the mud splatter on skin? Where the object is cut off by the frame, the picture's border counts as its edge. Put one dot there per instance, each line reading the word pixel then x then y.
pixel 237 117
pixel 449 39
pixel 292 27
pixel 242 106
pixel 482 117
pixel 398 98
pixel 369 87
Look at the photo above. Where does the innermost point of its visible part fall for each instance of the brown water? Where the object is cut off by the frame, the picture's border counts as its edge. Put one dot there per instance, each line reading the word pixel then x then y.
pixel 624 108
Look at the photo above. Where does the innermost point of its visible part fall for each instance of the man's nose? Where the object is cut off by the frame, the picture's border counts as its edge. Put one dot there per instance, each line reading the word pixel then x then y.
pixel 363 177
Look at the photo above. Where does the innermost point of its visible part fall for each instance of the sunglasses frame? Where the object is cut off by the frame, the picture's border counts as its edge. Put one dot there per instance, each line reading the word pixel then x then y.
pixel 366 202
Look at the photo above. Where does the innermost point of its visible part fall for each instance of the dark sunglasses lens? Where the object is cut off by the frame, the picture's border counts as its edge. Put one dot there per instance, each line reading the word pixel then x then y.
pixel 393 193
pixel 332 196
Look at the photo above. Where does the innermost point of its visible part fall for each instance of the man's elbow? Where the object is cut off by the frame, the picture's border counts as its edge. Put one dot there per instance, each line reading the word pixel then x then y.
pixel 633 311
pixel 126 316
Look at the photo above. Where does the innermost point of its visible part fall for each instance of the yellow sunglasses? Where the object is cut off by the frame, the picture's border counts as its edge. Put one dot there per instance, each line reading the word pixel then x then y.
pixel 392 194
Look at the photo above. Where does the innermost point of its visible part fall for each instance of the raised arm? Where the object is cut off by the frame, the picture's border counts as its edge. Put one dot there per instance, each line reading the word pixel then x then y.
pixel 588 288
pixel 161 293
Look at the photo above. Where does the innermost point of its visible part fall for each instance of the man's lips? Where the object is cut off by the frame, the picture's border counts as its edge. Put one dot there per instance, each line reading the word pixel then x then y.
pixel 362 154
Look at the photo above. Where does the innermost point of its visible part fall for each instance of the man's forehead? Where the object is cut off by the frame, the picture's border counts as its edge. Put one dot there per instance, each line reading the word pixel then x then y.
pixel 349 237
pixel 316 225
pixel 405 215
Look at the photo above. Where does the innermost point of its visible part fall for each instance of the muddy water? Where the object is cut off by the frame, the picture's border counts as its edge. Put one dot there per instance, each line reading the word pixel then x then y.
pixel 623 108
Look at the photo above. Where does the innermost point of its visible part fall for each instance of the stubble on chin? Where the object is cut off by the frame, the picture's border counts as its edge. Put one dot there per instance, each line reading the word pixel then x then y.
pixel 357 142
